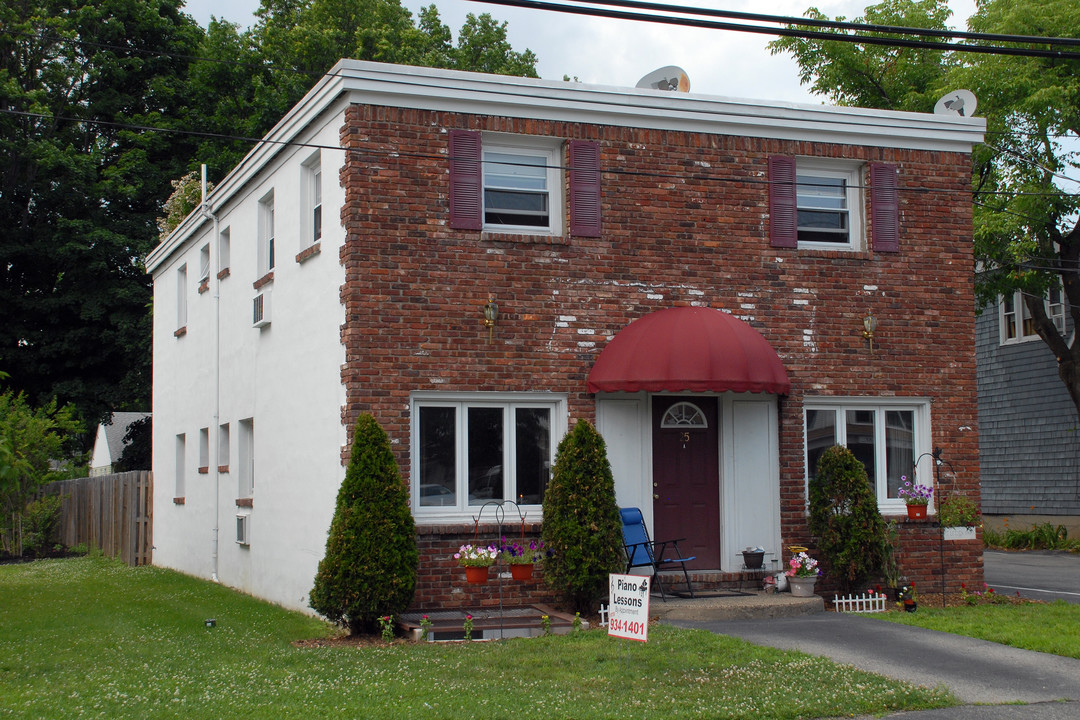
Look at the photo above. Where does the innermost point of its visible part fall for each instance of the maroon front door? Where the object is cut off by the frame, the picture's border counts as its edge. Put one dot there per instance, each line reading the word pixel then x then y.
pixel 686 476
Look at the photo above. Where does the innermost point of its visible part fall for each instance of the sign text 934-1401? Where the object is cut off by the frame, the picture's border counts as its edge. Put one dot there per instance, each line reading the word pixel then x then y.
pixel 628 600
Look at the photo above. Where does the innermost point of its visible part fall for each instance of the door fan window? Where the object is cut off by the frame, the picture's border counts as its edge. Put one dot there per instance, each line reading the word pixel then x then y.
pixel 684 415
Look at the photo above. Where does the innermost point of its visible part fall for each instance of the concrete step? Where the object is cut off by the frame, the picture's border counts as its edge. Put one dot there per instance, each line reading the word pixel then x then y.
pixel 731 605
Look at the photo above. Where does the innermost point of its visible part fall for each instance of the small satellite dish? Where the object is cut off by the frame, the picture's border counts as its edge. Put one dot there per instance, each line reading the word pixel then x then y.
pixel 959 102
pixel 670 78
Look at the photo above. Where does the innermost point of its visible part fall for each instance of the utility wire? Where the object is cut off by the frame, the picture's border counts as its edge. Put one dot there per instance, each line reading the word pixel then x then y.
pixel 837 24
pixel 431 156
pixel 786 31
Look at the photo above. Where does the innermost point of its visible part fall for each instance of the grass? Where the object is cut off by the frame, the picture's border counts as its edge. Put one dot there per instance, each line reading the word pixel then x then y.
pixel 87 637
pixel 1049 628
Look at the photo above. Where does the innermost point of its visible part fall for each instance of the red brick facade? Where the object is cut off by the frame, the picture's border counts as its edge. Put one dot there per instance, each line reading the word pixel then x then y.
pixel 686 221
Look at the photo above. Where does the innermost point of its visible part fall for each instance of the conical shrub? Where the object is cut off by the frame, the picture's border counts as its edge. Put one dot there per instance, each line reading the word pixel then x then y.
pixel 581 520
pixel 844 519
pixel 369 569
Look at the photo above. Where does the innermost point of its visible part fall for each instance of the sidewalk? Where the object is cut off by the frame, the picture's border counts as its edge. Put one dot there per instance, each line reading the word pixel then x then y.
pixel 975 671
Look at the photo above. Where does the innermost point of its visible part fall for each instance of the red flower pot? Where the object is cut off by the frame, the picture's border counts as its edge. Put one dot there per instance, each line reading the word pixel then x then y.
pixel 476 574
pixel 916 511
pixel 522 572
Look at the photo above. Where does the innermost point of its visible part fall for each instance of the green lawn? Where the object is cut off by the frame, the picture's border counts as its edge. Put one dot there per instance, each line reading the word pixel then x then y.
pixel 89 637
pixel 1049 628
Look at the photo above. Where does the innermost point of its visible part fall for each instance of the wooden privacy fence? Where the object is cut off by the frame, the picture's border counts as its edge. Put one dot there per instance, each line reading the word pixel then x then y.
pixel 112 512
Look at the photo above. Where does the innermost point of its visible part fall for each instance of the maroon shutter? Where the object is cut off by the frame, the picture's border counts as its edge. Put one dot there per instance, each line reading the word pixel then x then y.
pixel 783 228
pixel 584 189
pixel 884 208
pixel 466 180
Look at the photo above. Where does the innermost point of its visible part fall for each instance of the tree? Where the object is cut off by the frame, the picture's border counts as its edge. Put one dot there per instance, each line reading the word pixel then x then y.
pixel 581 520
pixel 844 518
pixel 32 440
pixel 369 569
pixel 81 187
pixel 1027 237
pixel 299 40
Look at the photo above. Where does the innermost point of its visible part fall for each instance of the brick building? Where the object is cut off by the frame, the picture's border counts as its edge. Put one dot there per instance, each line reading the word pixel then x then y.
pixel 691 273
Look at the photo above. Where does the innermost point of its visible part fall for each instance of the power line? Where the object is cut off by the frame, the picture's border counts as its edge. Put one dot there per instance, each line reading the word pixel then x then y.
pixel 837 24
pixel 786 32
pixel 434 156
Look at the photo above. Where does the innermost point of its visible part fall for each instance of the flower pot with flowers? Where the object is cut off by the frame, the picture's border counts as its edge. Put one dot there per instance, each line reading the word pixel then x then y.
pixel 477 561
pixel 908 598
pixel 802 573
pixel 523 558
pixel 916 496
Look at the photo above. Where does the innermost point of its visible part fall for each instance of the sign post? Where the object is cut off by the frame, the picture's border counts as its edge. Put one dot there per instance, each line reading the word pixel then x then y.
pixel 628 603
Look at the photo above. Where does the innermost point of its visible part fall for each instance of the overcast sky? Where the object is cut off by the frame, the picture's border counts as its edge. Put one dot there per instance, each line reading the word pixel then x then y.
pixel 620 52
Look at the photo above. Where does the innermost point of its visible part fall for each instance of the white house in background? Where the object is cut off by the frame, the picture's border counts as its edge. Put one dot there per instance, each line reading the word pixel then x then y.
pixel 690 273
pixel 109 441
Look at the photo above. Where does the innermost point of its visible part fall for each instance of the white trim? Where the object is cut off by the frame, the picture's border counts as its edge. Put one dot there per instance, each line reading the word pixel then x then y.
pixel 850 171
pixel 1019 314
pixel 312 196
pixel 556 402
pixel 548 148
pixel 922 438
pixel 353 81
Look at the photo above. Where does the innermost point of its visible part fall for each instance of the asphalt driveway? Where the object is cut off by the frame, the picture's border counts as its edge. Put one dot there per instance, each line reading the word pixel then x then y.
pixel 1035 574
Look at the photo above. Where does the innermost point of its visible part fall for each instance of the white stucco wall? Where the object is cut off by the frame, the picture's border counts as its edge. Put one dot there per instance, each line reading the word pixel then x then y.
pixel 286 377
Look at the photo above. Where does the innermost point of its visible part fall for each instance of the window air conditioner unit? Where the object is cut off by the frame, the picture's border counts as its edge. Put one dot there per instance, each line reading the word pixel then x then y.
pixel 243 530
pixel 260 315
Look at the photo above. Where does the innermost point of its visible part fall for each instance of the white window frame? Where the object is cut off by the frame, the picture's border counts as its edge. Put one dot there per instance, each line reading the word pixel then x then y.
pixel 180 481
pixel 1015 320
pixel 556 403
pixel 223 446
pixel 852 173
pixel 923 463
pixel 181 297
pixel 245 452
pixel 550 151
pixel 204 450
pixel 267 247
pixel 311 192
pixel 224 242
pixel 204 263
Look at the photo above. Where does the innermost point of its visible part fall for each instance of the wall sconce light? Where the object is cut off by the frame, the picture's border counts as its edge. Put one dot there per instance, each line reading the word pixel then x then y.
pixel 869 324
pixel 491 314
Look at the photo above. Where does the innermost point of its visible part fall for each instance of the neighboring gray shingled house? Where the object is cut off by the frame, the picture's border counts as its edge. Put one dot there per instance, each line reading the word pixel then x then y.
pixel 1028 436
pixel 109 443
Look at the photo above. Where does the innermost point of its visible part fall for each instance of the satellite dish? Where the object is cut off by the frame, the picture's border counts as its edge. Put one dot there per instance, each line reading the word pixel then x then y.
pixel 961 103
pixel 670 78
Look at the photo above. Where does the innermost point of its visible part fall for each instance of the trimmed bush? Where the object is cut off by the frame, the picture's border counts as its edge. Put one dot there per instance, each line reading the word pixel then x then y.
pixel 844 519
pixel 369 569
pixel 581 520
pixel 41 525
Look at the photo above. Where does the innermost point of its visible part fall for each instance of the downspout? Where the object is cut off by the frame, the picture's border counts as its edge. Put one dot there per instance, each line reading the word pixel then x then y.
pixel 216 426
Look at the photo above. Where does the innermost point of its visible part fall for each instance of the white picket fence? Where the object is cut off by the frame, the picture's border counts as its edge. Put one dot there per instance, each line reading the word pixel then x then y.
pixel 860 603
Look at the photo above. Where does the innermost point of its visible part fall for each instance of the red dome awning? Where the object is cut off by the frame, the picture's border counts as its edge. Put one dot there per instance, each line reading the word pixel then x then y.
pixel 689 349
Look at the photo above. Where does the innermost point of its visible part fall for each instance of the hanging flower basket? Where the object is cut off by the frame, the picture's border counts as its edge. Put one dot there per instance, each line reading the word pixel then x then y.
pixel 476 574
pixel 522 571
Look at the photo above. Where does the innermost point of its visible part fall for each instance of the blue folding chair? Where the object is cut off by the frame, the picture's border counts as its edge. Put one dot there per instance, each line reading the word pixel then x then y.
pixel 643 552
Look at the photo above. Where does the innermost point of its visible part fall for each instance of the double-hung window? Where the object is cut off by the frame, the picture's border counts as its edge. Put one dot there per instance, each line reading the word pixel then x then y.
pixel 468 450
pixel 311 233
pixel 889 436
pixel 518 184
pixel 828 203
pixel 818 203
pixel 1015 319
pixel 266 249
